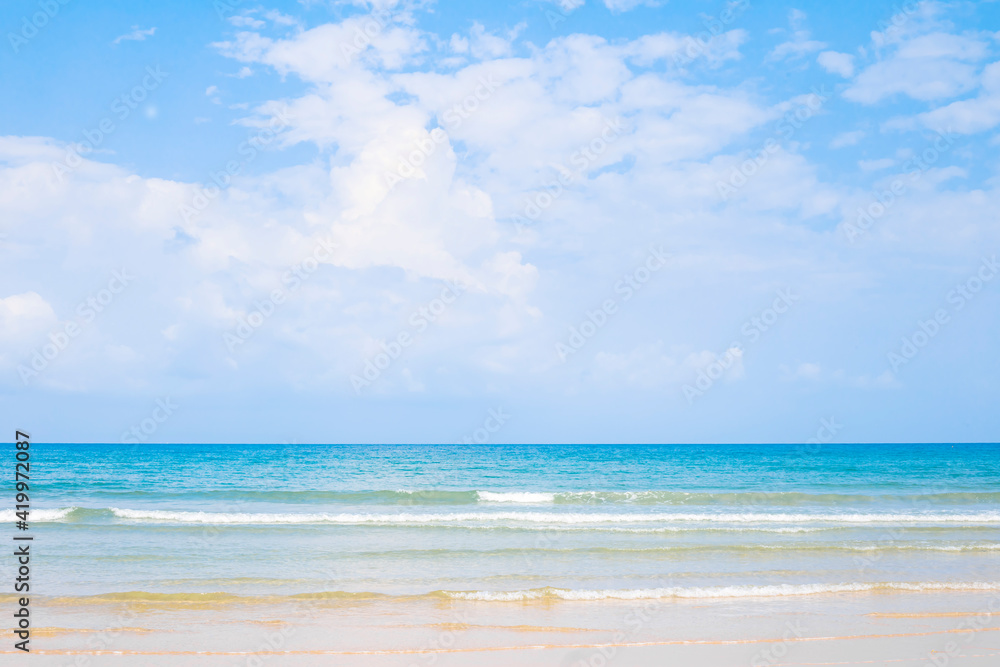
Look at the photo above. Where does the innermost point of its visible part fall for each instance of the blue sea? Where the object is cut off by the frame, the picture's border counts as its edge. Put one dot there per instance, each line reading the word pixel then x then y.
pixel 512 522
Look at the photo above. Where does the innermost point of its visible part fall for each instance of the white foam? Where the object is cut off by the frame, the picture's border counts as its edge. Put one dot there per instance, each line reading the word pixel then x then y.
pixel 781 590
pixel 557 518
pixel 923 547
pixel 516 497
pixel 37 515
pixel 667 529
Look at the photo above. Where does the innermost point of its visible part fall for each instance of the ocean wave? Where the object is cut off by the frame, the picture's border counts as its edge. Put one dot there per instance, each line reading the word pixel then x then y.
pixel 642 498
pixel 165 517
pixel 531 520
pixel 791 546
pixel 746 591
pixel 38 516
pixel 528 595
pixel 616 529
pixel 515 497
pixel 776 498
pixel 681 550
pixel 550 517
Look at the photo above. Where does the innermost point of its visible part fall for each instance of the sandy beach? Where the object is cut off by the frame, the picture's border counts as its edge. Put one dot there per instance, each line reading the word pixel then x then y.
pixel 831 629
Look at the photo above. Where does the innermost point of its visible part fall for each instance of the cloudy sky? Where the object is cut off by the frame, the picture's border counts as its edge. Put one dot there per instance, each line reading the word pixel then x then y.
pixel 603 221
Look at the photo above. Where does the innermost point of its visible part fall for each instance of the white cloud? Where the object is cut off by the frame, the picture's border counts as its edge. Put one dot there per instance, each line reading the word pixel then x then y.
pixel 440 221
pixel 276 17
pixel 626 5
pixel 885 380
pixel 309 54
pixel 650 366
pixel 483 44
pixel 801 43
pixel 876 165
pixel 137 35
pixel 24 315
pixel 527 118
pixel 837 63
pixel 681 49
pixel 926 67
pixel 814 373
pixel 808 371
pixel 973 115
pixel 459 44
pixel 796 48
pixel 247 22
pixel 849 138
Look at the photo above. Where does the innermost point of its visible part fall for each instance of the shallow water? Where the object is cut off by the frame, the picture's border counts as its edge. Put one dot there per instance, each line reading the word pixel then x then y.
pixel 512 522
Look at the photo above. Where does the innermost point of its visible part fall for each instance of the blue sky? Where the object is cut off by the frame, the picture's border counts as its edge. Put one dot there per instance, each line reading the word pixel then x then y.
pixel 613 221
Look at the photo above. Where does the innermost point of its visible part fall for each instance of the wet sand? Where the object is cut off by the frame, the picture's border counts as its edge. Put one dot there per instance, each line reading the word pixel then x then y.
pixel 833 629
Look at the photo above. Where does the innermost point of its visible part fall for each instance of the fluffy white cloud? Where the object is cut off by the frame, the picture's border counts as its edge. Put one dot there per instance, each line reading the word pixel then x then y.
pixel 837 63
pixel 626 5
pixel 801 43
pixel 679 49
pixel 531 174
pixel 925 67
pixel 23 316
pixel 974 115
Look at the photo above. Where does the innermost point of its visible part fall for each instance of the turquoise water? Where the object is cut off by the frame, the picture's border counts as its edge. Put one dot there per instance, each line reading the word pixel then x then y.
pixel 513 522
